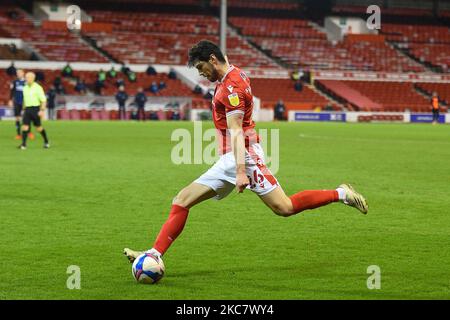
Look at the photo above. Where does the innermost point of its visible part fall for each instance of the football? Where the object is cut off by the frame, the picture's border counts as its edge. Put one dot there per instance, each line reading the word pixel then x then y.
pixel 148 268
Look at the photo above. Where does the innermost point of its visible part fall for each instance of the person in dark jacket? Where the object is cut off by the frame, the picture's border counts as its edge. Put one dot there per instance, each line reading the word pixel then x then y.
pixel 122 98
pixel 154 88
pixel 51 95
pixel 140 99
pixel 11 70
pixel 172 74
pixel 80 86
pixel 151 71
pixel 57 83
pixel 279 110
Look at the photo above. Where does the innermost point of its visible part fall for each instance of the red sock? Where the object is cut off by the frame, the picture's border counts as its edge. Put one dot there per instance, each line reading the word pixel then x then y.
pixel 311 199
pixel 171 228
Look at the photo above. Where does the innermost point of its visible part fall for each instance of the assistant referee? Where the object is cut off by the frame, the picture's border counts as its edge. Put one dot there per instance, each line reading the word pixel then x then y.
pixel 34 103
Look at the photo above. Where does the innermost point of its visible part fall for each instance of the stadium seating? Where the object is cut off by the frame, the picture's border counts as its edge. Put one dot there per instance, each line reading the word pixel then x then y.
pixel 271 90
pixel 174 87
pixel 56 45
pixel 164 38
pixel 377 95
pixel 8 53
pixel 167 38
pixel 265 27
pixel 391 11
pixel 442 89
pixel 427 43
pixel 297 43
pixel 266 5
pixel 50 76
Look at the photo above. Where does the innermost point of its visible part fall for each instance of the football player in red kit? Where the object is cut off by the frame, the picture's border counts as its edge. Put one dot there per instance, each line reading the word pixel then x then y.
pixel 241 163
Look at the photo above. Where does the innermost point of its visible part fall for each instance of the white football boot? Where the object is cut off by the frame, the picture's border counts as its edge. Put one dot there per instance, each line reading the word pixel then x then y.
pixel 131 254
pixel 354 199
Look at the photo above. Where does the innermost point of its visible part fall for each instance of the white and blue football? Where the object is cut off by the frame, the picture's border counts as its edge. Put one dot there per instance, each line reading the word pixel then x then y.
pixel 148 268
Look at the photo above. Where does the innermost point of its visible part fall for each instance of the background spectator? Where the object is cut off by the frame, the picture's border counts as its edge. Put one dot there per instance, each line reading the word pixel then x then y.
pixel 151 71
pixel 67 71
pixel 124 69
pixel 57 83
pixel 197 89
pixel 51 96
pixel 154 87
pixel 279 110
pixel 98 86
pixel 11 70
pixel 120 82
pixel 172 74
pixel 40 76
pixel 140 99
pixel 101 75
pixel 131 76
pixel 80 86
pixel 121 98
pixel 34 57
pixel 112 73
pixel 13 48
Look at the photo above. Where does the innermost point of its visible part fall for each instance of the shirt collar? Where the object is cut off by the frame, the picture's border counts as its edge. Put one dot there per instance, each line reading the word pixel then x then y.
pixel 231 68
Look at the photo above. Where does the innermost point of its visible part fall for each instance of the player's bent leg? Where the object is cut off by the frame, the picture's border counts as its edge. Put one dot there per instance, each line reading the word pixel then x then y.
pixel 278 202
pixel 286 206
pixel 174 225
pixel 310 199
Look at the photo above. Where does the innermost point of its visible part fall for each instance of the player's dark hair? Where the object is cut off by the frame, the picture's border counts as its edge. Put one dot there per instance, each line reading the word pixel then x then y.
pixel 202 51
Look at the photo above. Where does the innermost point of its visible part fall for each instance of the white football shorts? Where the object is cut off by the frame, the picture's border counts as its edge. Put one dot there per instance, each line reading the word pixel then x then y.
pixel 221 177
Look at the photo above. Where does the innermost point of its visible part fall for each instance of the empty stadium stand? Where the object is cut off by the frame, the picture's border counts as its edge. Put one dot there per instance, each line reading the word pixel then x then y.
pixel 271 90
pixel 165 38
pixel 298 43
pixel 55 45
pixel 429 44
pixel 377 95
pixel 442 89
pixel 267 5
pixel 7 52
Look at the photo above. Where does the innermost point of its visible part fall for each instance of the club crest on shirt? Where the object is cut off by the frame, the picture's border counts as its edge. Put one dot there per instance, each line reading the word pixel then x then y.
pixel 234 99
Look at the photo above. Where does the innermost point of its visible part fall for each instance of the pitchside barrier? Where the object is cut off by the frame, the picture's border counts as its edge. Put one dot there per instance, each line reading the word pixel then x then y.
pixel 109 112
pixel 106 108
pixel 394 117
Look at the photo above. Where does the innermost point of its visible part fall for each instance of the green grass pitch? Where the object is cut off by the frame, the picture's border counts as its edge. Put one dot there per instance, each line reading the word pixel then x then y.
pixel 108 185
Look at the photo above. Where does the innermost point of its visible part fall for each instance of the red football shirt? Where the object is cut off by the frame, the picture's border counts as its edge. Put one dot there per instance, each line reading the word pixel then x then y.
pixel 233 95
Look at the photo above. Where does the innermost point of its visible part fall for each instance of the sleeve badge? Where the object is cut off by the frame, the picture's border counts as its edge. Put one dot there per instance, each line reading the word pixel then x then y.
pixel 234 99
